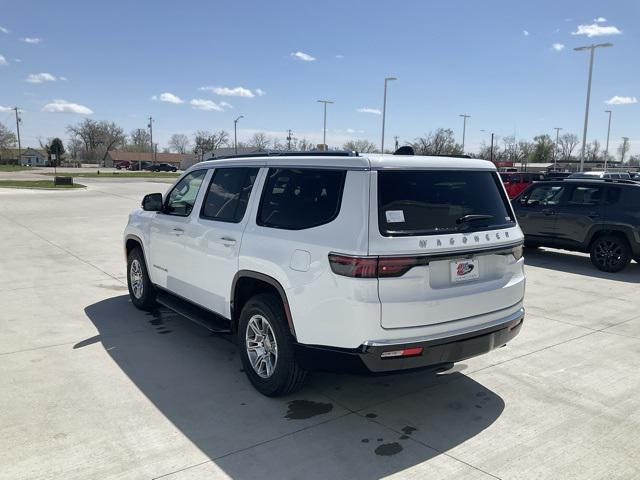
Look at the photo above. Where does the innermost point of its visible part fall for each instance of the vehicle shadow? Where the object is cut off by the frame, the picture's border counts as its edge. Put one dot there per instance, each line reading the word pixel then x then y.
pixel 339 426
pixel 577 263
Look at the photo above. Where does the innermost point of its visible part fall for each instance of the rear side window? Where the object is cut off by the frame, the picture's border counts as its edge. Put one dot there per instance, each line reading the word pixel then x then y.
pixel 423 202
pixel 228 194
pixel 586 195
pixel 294 199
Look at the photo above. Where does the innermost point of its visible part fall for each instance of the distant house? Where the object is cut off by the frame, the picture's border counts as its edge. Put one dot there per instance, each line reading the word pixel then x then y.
pixel 34 157
pixel 177 159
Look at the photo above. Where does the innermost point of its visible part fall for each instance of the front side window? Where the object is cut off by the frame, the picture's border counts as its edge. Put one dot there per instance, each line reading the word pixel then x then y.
pixel 544 195
pixel 228 194
pixel 294 199
pixel 586 196
pixel 431 202
pixel 183 195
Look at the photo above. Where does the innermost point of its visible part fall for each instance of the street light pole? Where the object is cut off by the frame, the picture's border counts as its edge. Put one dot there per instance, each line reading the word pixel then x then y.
pixel 492 146
pixel 153 156
pixel 235 134
pixel 606 150
pixel 591 49
pixel 324 128
pixel 384 110
pixel 464 128
pixel 555 150
pixel 18 120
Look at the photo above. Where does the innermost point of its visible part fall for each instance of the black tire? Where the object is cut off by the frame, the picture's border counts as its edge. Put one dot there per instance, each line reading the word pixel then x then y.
pixel 610 253
pixel 145 300
pixel 286 375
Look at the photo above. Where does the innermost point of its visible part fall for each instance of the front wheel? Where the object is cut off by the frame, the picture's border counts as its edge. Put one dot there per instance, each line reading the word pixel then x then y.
pixel 266 347
pixel 141 290
pixel 610 253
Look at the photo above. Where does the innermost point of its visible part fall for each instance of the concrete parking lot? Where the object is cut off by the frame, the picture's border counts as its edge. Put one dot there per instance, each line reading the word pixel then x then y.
pixel 90 387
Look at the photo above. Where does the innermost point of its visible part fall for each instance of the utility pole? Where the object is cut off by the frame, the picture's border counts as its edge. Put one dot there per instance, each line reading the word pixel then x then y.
pixel 235 134
pixel 606 150
pixel 384 110
pixel 324 129
pixel 18 120
pixel 153 150
pixel 591 49
pixel 289 140
pixel 491 146
pixel 464 128
pixel 555 150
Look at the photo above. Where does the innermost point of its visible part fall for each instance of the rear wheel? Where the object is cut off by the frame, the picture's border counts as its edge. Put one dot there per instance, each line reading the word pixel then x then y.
pixel 266 347
pixel 610 253
pixel 141 290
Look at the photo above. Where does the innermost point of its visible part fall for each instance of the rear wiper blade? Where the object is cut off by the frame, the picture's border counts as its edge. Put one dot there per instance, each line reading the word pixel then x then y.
pixel 471 218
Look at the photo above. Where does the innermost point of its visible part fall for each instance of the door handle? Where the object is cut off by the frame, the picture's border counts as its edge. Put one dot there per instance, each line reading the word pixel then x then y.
pixel 178 231
pixel 228 242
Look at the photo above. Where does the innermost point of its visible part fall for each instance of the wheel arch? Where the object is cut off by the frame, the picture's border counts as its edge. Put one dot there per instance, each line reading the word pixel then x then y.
pixel 247 283
pixel 602 230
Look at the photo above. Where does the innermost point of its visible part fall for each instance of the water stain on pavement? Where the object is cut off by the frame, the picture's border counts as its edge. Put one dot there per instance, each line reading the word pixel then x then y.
pixel 408 430
pixel 388 449
pixel 371 415
pixel 303 409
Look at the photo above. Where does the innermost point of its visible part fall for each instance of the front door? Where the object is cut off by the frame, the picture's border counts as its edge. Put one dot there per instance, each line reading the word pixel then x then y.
pixel 166 236
pixel 537 212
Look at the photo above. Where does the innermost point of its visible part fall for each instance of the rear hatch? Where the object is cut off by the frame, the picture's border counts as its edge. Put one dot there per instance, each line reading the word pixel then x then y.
pixel 448 246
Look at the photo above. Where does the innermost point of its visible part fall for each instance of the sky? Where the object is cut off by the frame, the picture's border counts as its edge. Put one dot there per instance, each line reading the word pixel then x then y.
pixel 198 64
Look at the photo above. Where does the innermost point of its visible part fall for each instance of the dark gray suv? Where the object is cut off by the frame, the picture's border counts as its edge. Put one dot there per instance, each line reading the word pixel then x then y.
pixel 601 217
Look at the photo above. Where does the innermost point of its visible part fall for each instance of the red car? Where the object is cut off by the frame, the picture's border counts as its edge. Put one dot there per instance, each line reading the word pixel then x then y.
pixel 516 182
pixel 123 164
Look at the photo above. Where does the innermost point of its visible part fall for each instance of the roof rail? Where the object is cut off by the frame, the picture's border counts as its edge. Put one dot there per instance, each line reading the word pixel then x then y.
pixel 274 153
pixel 626 181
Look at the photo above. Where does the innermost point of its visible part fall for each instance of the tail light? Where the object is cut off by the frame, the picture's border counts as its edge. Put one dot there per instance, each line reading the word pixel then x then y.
pixel 517 251
pixel 373 267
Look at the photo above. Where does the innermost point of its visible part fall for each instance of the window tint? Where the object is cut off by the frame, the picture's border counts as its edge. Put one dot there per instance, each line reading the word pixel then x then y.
pixel 586 195
pixel 183 196
pixel 544 195
pixel 228 194
pixel 613 196
pixel 421 202
pixel 294 199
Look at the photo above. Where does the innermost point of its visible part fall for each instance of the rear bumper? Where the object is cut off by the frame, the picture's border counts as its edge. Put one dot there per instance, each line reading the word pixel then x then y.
pixel 367 358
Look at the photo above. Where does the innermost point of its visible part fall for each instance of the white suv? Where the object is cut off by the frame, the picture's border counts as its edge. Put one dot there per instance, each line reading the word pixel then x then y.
pixel 371 262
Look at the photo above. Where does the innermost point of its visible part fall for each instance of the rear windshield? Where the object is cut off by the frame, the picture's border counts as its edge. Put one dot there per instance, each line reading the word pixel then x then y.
pixel 423 202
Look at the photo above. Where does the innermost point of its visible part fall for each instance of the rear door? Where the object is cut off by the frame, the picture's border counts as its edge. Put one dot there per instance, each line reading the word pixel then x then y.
pixel 455 229
pixel 580 210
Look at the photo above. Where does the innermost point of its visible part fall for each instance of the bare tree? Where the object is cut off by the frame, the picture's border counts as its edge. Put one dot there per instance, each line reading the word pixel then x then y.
pixel 592 151
pixel 568 142
pixel 139 140
pixel 303 145
pixel 179 143
pixel 439 142
pixel 623 148
pixel 97 137
pixel 363 146
pixel 259 141
pixel 7 138
pixel 206 142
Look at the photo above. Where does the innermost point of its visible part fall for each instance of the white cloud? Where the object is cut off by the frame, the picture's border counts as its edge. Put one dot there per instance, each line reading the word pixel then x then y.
pixel 260 92
pixel 208 105
pixel 4 30
pixel 370 110
pixel 40 78
pixel 17 60
pixel 558 47
pixel 5 109
pixel 339 56
pixel 230 92
pixel 225 105
pixel 595 30
pixel 62 106
pixel 599 19
pixel 62 79
pixel 32 40
pixel 167 97
pixel 525 33
pixel 617 100
pixel 303 56
pixel 3 61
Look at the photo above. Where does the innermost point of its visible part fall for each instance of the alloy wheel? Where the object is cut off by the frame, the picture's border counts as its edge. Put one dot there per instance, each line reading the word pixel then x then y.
pixel 261 345
pixel 608 254
pixel 136 278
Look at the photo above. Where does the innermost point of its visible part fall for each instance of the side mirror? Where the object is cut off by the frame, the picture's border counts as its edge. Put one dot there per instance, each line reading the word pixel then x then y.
pixel 152 202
